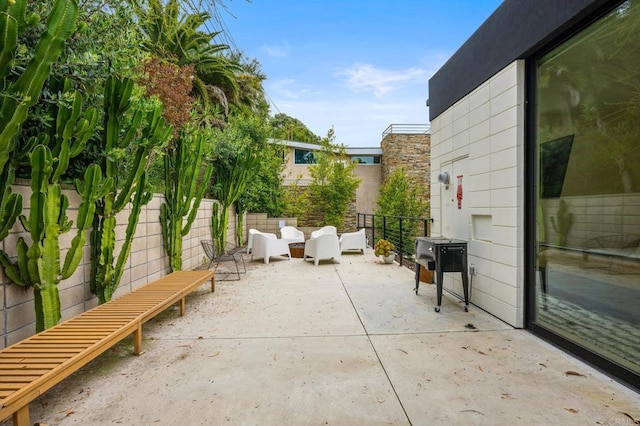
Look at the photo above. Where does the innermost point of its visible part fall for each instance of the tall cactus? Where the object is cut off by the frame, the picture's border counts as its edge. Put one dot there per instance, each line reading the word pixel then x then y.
pixel 562 223
pixel 10 203
pixel 18 97
pixel 39 265
pixel 139 133
pixel 185 184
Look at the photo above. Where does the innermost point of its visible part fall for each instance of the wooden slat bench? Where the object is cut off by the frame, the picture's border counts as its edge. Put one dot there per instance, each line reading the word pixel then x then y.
pixel 34 365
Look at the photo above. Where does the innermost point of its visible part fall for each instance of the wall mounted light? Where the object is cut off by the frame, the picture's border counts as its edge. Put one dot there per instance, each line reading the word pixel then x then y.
pixel 444 178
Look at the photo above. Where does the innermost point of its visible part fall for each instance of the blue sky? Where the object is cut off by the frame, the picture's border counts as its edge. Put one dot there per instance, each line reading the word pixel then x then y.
pixel 356 65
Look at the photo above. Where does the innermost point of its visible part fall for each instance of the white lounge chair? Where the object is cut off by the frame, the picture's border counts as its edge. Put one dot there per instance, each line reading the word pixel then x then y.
pixel 325 230
pixel 266 245
pixel 291 234
pixel 353 241
pixel 252 232
pixel 323 247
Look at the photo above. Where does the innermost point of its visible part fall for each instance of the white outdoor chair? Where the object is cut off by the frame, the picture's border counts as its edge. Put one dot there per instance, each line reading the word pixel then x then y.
pixel 353 241
pixel 266 245
pixel 291 234
pixel 252 232
pixel 325 230
pixel 323 247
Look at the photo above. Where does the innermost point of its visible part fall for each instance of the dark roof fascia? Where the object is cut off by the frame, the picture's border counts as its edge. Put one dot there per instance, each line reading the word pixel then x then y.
pixel 514 31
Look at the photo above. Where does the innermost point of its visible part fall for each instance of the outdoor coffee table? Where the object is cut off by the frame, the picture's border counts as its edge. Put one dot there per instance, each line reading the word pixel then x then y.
pixel 296 250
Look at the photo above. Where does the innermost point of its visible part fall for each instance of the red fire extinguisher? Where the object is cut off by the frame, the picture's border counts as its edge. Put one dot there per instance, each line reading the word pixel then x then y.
pixel 459 192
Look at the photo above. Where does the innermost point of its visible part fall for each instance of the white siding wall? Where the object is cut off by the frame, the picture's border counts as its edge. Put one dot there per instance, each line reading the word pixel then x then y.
pixel 486 128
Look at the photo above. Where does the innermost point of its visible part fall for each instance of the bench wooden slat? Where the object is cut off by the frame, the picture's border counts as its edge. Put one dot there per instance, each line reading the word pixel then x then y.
pixel 34 365
pixel 45 347
pixel 5 378
pixel 27 359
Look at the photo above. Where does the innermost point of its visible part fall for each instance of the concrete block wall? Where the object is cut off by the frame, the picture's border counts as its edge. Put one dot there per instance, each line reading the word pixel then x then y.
pixel 147 262
pixel 594 216
pixel 263 223
pixel 487 129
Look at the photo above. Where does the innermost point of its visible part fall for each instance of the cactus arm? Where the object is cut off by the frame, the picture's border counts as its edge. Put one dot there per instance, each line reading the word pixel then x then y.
pixel 67 121
pixel 10 203
pixel 23 261
pixel 102 260
pixel 164 222
pixel 84 131
pixel 90 190
pixel 12 272
pixel 141 198
pixel 10 209
pixel 63 223
pixel 133 129
pixel 562 224
pixel 11 15
pixel 60 26
pixel 63 162
pixel 94 250
pixel 197 200
pixel 124 196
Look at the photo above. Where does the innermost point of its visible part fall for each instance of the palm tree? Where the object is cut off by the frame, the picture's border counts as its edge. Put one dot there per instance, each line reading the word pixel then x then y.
pixel 176 38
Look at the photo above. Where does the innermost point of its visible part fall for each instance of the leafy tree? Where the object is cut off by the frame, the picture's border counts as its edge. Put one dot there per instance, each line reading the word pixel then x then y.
pixel 105 42
pixel 292 129
pixel 401 197
pixel 296 200
pixel 333 183
pixel 177 37
pixel 590 90
pixel 237 152
pixel 250 90
pixel 265 193
pixel 172 84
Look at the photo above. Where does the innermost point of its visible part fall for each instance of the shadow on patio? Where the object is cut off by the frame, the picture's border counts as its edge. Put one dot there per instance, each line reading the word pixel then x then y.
pixel 340 344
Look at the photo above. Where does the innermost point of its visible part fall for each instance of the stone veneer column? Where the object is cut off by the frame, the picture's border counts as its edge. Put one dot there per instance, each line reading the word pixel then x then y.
pixel 413 151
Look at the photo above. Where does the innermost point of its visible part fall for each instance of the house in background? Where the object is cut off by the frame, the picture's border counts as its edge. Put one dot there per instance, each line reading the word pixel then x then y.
pixel 534 119
pixel 401 145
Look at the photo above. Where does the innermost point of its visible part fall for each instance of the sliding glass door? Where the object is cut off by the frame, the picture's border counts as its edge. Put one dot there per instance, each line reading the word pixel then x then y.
pixel 587 194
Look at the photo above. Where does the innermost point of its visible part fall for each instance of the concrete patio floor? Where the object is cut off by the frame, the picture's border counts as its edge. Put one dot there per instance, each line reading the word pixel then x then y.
pixel 336 344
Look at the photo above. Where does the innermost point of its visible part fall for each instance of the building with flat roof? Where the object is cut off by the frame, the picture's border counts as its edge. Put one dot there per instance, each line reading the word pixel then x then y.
pixel 402 145
pixel 534 122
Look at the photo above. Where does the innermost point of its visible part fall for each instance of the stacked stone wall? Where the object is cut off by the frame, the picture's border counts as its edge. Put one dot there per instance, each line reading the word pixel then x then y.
pixel 413 151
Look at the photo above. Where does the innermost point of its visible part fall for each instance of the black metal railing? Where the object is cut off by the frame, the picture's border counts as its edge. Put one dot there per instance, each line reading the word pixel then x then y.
pixel 401 231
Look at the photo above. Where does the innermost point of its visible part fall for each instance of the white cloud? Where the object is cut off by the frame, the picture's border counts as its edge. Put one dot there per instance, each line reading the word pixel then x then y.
pixel 289 88
pixel 377 98
pixel 367 78
pixel 276 51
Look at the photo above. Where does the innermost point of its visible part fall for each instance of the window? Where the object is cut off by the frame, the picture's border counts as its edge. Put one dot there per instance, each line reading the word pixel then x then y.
pixel 587 189
pixel 304 156
pixel 366 159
